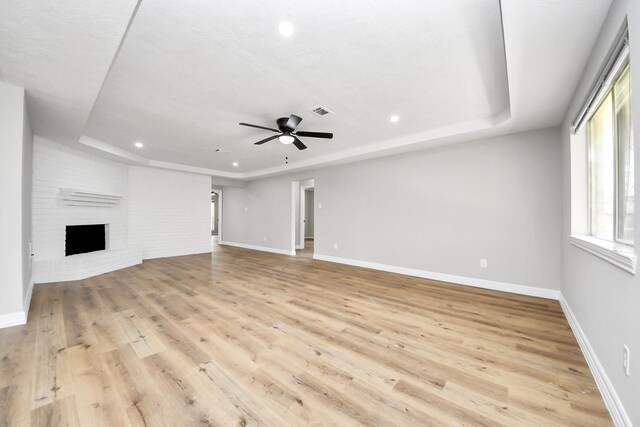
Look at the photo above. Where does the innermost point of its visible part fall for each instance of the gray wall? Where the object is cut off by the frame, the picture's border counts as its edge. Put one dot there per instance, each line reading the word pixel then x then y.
pixel 308 213
pixel 262 208
pixel 27 189
pixel 14 190
pixel 439 210
pixel 604 298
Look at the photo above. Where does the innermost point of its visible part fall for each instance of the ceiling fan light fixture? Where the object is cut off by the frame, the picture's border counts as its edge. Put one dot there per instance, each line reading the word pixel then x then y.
pixel 286 139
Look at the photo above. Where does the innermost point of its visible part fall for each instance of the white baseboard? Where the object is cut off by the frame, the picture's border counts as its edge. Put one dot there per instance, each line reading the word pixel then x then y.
pixel 27 299
pixel 171 254
pixel 19 318
pixel 468 281
pixel 259 248
pixel 12 319
pixel 611 399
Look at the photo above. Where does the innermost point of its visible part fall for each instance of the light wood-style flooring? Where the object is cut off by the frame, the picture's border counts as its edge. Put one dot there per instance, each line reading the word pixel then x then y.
pixel 242 338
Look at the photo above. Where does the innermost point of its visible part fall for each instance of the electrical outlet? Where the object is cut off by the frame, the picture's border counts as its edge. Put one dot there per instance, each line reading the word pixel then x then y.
pixel 483 263
pixel 626 359
pixel 335 246
pixel 246 209
pixel 319 205
pixel 265 238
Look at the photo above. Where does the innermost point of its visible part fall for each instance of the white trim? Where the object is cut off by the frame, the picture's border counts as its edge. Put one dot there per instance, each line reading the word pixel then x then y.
pixel 193 169
pixel 305 185
pixel 468 281
pixel 432 138
pixel 609 395
pixel 137 159
pixel 219 207
pixel 618 255
pixel 459 132
pixel 295 191
pixel 302 196
pixel 26 303
pixel 12 319
pixel 113 150
pixel 258 248
pixel 19 318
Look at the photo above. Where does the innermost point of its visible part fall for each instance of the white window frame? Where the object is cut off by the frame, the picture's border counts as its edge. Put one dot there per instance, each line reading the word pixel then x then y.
pixel 616 252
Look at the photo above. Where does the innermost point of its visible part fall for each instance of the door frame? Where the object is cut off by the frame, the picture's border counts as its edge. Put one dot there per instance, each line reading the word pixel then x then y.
pixel 295 191
pixel 219 209
pixel 310 183
pixel 297 196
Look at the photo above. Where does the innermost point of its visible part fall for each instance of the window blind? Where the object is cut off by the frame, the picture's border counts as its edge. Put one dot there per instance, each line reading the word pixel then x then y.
pixel 617 58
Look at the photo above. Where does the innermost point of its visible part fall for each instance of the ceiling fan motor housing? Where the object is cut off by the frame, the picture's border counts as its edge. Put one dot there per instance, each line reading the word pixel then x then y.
pixel 282 122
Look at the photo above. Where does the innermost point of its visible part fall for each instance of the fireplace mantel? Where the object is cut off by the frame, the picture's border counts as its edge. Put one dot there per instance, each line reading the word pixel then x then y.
pixel 76 197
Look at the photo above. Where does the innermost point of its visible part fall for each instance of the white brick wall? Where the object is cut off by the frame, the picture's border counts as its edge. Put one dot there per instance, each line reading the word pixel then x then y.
pixel 169 212
pixel 57 166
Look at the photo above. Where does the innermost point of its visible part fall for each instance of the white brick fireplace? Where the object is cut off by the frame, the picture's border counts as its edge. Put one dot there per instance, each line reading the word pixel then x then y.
pixel 149 212
pixel 57 170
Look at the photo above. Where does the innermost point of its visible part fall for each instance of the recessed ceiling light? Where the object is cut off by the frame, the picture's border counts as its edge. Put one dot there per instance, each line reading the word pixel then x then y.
pixel 235 164
pixel 286 28
pixel 394 119
pixel 139 144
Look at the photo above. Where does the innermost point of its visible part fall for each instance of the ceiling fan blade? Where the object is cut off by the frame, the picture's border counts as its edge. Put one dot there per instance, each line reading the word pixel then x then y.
pixel 299 145
pixel 293 122
pixel 258 127
pixel 266 140
pixel 325 135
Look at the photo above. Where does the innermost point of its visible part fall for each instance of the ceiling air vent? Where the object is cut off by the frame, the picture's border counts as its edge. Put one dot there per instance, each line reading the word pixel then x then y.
pixel 321 111
pixel 221 151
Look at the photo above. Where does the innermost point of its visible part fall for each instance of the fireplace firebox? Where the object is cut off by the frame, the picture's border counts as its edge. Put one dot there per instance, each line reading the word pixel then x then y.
pixel 82 239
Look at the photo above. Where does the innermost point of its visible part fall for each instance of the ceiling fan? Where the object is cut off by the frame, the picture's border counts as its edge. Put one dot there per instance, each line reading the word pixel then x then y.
pixel 287 132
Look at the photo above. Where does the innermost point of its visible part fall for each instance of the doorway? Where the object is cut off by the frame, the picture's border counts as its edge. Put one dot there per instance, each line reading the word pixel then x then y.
pixel 307 220
pixel 216 217
pixel 304 216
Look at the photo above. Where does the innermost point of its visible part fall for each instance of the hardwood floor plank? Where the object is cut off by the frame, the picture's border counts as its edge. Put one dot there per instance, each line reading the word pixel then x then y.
pixel 142 339
pixel 62 413
pixel 51 377
pixel 144 402
pixel 96 398
pixel 250 405
pixel 453 412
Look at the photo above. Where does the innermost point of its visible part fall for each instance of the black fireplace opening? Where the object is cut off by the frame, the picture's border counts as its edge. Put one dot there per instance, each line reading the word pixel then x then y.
pixel 81 239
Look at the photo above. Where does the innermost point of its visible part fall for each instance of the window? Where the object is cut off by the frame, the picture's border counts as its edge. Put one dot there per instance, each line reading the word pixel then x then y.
pixel 602 164
pixel 611 165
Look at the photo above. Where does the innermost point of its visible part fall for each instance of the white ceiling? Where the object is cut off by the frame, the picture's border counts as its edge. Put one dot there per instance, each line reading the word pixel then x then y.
pixel 185 76
pixel 60 52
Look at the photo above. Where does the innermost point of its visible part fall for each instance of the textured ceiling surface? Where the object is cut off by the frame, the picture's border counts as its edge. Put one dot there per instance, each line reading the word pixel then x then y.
pixel 185 78
pixel 60 52
pixel 186 73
